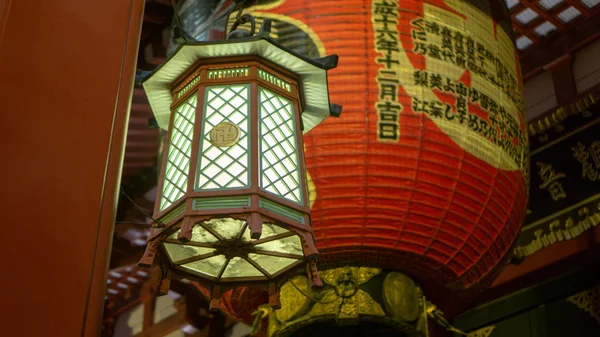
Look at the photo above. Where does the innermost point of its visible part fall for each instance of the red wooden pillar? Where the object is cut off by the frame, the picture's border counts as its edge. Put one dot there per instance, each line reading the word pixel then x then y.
pixel 66 76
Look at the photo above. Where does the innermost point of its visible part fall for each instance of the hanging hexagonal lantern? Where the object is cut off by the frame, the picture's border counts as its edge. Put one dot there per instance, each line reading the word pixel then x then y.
pixel 233 206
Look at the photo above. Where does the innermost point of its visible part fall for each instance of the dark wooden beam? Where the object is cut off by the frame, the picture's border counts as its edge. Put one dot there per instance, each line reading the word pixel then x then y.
pixel 580 7
pixel 563 79
pixel 555 287
pixel 148 298
pixel 557 259
pixel 571 40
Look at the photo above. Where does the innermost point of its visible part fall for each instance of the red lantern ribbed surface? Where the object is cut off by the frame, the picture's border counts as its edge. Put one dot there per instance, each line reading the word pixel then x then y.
pixel 426 170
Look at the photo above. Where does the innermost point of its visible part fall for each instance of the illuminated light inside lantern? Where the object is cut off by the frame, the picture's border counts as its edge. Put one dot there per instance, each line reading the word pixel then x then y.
pixel 224 166
pixel 290 245
pixel 179 153
pixel 228 73
pixel 237 267
pixel 226 242
pixel 279 152
pixel 211 266
pixel 274 80
pixel 178 253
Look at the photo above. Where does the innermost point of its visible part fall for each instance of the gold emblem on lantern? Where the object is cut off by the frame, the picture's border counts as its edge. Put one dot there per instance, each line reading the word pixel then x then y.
pixel 224 134
pixel 345 299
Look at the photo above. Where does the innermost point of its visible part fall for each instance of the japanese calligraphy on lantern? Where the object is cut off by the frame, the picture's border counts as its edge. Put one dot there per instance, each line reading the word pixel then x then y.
pixel 458 67
pixel 385 20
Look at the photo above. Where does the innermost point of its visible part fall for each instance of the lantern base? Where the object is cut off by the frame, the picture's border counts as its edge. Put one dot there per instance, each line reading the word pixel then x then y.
pixel 355 301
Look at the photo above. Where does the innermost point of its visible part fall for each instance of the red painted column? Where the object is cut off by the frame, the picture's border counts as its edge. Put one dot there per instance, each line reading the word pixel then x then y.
pixel 66 78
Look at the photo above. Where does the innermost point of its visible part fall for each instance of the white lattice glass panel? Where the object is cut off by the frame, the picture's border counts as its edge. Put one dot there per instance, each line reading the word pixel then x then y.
pixel 179 153
pixel 279 166
pixel 223 167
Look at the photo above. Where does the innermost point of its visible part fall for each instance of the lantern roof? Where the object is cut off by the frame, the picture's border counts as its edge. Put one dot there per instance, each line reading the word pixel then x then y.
pixel 312 73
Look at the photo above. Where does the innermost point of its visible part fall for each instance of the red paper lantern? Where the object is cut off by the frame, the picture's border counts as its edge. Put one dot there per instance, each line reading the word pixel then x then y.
pixel 436 190
pixel 427 170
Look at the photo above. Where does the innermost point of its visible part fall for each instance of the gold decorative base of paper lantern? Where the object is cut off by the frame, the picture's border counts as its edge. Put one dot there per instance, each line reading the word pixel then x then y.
pixel 354 299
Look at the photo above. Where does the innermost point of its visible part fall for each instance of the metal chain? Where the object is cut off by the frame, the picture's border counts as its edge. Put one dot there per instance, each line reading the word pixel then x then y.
pixel 308 296
pixel 239 4
pixel 259 314
pixel 176 14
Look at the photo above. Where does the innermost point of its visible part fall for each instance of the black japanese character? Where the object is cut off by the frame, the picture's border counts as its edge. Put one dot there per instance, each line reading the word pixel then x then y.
pixel 420 48
pixel 474 95
pixel 434 51
pixel 386 34
pixel 436 109
pixel 432 27
pixel 484 101
pixel 388 60
pixel 386 20
pixel 493 107
pixel 480 49
pixel 435 81
pixel 386 8
pixel 485 129
pixel 458 37
pixel 388 131
pixel 449 115
pixel 417 23
pixel 387 117
pixel 446 32
pixel 470 46
pixel 419 35
pixel 461 89
pixel 447 43
pixel 388 88
pixel 449 86
pixel 474 123
pixel 448 56
pixel 389 107
pixel 420 106
pixel 387 45
pixel 420 78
